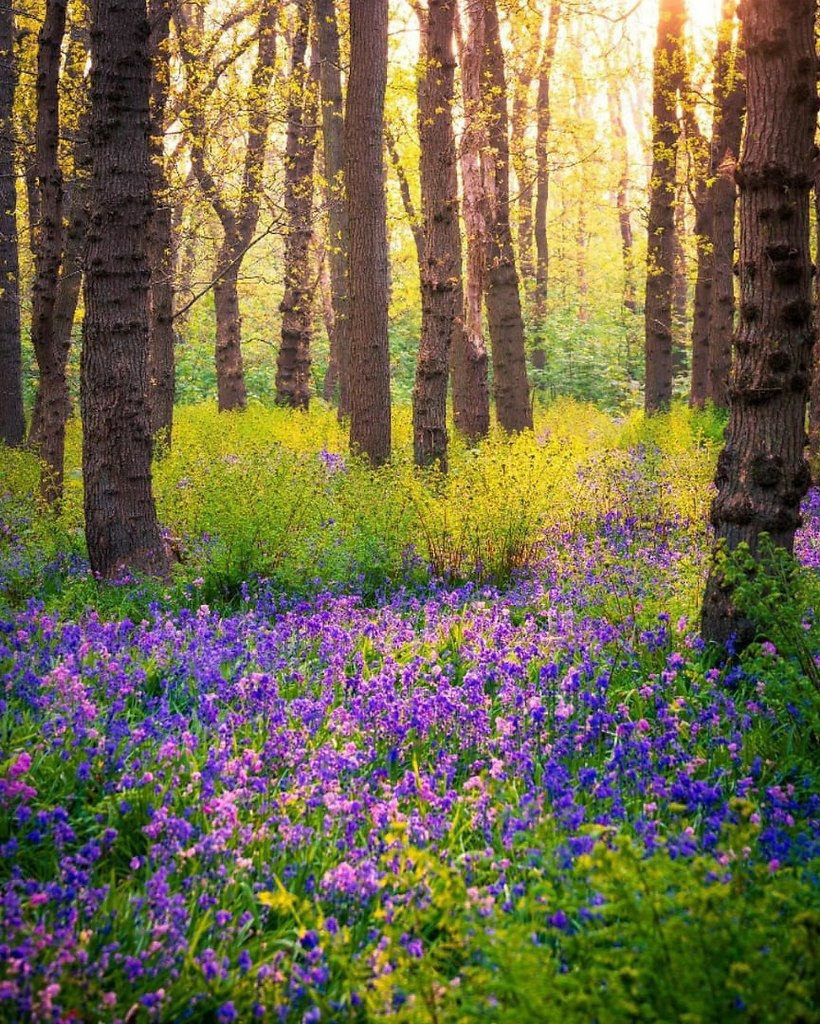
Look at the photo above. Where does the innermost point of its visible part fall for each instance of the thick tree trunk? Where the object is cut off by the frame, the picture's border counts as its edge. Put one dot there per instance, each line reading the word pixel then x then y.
pixel 502 296
pixel 293 363
pixel 161 376
pixel 333 140
pixel 120 517
pixel 48 251
pixel 814 393
pixel 230 374
pixel 12 418
pixel 441 264
pixel 468 352
pixel 368 268
pixel 660 257
pixel 762 474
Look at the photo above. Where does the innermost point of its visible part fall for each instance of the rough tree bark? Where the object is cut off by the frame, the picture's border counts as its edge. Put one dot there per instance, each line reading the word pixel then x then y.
pixel 441 264
pixel 762 474
pixel 12 418
pixel 121 526
pixel 48 236
pixel 502 296
pixel 75 213
pixel 660 254
pixel 368 268
pixel 293 362
pixel 333 148
pixel 468 352
pixel 161 382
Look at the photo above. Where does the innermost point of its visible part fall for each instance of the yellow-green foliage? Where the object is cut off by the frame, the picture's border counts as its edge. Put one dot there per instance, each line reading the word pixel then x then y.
pixel 274 493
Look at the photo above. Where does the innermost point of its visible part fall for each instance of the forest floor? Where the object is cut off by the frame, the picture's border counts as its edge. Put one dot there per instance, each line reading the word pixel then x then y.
pixel 399 747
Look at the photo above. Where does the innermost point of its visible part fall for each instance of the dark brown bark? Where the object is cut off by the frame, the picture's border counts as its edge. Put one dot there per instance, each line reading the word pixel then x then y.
pixel 333 143
pixel 814 391
pixel 161 377
pixel 293 363
pixel 368 268
pixel 238 221
pixel 121 526
pixel 441 263
pixel 48 234
pixel 762 474
pixel 731 98
pixel 502 296
pixel 468 352
pixel 12 417
pixel 660 256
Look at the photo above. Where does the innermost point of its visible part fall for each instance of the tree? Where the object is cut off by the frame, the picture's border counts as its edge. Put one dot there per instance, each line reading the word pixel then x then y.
pixel 238 219
pixel 441 263
pixel 48 238
pixel 542 186
pixel 468 353
pixel 121 525
pixel 333 148
pixel 660 256
pixel 730 99
pixel 293 363
pixel 714 224
pixel 502 296
pixel 12 418
pixel 762 474
pixel 161 379
pixel 370 432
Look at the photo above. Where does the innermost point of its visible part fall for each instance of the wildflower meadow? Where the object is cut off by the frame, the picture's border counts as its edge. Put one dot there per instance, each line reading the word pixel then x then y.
pixel 391 745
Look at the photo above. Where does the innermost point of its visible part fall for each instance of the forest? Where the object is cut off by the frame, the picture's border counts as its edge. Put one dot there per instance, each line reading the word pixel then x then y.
pixel 409 511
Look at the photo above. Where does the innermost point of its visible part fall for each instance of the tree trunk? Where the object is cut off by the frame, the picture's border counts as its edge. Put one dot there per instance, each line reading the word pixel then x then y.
pixel 293 364
pixel 714 222
pixel 368 268
pixel 502 297
pixel 468 352
pixel 48 252
pixel 542 184
pixel 621 154
pixel 441 265
pixel 762 474
pixel 333 139
pixel 230 374
pixel 120 517
pixel 660 257
pixel 731 98
pixel 238 220
pixel 161 382
pixel 814 395
pixel 12 417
